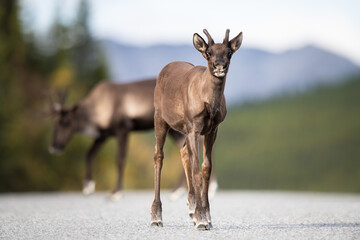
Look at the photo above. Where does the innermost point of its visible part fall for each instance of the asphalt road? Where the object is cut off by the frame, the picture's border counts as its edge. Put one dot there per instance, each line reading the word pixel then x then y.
pixel 235 215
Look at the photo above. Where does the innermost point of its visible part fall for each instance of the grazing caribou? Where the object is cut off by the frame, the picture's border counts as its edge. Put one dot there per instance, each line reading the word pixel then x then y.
pixel 190 99
pixel 109 110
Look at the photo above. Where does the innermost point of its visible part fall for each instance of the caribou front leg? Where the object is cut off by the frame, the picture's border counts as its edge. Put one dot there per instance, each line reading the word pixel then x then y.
pixel 200 219
pixel 89 184
pixel 206 170
pixel 161 129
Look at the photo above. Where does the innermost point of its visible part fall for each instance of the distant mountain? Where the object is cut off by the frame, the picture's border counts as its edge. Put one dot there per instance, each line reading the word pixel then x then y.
pixel 254 74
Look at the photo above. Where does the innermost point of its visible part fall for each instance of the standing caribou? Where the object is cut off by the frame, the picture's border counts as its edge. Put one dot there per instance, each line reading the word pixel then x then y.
pixel 109 110
pixel 190 99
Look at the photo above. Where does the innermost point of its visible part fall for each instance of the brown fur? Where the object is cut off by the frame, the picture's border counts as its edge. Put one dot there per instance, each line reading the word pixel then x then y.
pixel 190 99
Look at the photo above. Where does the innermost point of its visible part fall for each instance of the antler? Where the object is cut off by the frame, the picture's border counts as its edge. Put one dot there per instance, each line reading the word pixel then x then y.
pixel 62 96
pixel 226 39
pixel 210 40
pixel 53 106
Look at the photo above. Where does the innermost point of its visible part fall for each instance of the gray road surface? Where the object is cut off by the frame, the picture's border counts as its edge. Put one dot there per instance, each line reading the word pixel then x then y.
pixel 235 215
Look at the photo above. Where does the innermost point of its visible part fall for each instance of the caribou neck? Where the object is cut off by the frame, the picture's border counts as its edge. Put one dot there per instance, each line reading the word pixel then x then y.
pixel 212 89
pixel 83 118
pixel 81 113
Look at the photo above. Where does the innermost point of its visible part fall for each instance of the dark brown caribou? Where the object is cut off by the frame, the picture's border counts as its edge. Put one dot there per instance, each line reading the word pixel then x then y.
pixel 109 110
pixel 190 99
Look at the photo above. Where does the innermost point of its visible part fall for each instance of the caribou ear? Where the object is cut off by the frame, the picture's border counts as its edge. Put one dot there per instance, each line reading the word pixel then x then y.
pixel 54 107
pixel 235 43
pixel 200 44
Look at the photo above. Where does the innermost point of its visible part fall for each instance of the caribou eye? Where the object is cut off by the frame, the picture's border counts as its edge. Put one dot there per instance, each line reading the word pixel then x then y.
pixel 208 54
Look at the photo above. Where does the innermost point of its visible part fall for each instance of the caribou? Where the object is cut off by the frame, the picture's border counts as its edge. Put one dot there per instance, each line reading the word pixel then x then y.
pixel 190 99
pixel 110 110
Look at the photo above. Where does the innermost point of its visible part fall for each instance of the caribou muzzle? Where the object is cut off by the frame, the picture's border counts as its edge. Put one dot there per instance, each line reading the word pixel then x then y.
pixel 220 70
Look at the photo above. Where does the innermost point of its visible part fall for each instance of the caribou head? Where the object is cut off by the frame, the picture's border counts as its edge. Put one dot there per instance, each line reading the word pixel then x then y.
pixel 218 55
pixel 65 123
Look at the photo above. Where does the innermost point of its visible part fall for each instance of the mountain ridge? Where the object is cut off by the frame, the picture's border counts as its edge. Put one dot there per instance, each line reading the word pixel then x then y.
pixel 254 74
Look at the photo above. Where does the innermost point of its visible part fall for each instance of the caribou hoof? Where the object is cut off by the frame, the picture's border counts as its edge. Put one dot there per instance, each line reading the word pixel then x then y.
pixel 210 225
pixel 203 226
pixel 89 187
pixel 116 196
pixel 156 223
pixel 191 215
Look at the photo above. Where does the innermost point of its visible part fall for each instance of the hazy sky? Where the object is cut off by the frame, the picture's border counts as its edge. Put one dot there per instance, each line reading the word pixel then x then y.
pixel 274 25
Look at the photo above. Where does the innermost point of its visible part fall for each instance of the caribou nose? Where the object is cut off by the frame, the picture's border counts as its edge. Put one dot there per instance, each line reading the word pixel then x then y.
pixel 220 64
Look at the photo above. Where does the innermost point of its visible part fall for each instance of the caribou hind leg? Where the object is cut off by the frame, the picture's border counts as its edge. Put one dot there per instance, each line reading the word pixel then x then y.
pixel 180 188
pixel 200 219
pixel 187 168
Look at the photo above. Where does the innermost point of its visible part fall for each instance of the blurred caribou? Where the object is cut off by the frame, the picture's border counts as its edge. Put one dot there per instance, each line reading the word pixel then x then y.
pixel 109 110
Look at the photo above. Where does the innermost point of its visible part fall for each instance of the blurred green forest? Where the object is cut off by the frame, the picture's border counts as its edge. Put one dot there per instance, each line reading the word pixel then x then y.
pixel 308 141
pixel 65 57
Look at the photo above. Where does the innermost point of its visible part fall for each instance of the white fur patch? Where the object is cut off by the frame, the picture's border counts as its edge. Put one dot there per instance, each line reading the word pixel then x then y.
pixel 219 74
pixel 116 196
pixel 89 188
pixel 103 111
pixel 91 131
pixel 219 71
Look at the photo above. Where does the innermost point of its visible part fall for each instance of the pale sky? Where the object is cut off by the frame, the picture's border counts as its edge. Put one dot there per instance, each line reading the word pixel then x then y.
pixel 275 25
